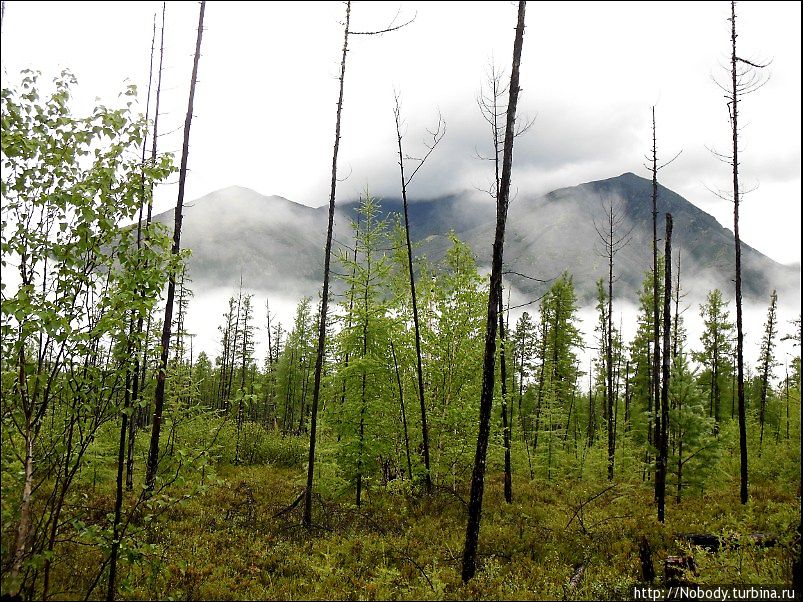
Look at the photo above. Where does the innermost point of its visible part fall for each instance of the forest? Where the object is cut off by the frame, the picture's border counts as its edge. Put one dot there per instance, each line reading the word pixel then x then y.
pixel 409 434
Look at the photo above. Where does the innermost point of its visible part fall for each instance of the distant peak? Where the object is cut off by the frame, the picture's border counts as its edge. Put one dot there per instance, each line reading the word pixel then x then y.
pixel 628 175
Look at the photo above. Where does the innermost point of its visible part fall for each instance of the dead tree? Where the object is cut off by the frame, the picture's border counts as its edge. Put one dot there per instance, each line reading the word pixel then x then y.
pixel 505 422
pixel 488 372
pixel 325 297
pixel 403 413
pixel 131 380
pixel 436 135
pixel 745 78
pixel 161 375
pixel 138 383
pixel 612 242
pixel 663 441
pixel 654 168
pixel 493 109
pixel 316 391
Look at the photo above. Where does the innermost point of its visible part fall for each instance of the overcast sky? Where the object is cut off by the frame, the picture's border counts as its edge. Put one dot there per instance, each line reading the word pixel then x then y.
pixel 590 72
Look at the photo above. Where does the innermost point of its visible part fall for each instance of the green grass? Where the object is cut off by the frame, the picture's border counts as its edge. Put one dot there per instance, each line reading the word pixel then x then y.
pixel 228 542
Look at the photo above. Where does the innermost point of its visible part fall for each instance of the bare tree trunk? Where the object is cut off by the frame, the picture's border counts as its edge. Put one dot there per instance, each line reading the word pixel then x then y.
pixel 738 247
pixel 419 367
pixel 656 332
pixel 505 424
pixel 787 402
pixel 609 354
pixel 159 398
pixel 136 387
pixel 316 391
pixel 676 317
pixel 486 399
pixel 403 414
pixel 627 396
pixel 118 499
pixel 663 442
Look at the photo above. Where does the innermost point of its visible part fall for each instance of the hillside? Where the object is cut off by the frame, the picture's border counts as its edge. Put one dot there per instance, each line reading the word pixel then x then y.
pixel 278 244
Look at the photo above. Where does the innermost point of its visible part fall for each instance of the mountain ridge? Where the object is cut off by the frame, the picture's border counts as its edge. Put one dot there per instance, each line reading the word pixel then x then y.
pixel 278 243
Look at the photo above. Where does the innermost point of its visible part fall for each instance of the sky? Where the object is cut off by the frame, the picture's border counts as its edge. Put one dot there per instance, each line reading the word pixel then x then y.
pixel 590 73
pixel 265 103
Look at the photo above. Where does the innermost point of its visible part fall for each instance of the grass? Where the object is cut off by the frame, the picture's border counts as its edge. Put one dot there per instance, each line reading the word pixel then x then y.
pixel 233 542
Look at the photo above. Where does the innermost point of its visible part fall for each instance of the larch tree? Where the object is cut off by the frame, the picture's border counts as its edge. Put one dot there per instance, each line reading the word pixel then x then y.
pixel 767 362
pixel 488 371
pixel 717 347
pixel 613 240
pixel 321 351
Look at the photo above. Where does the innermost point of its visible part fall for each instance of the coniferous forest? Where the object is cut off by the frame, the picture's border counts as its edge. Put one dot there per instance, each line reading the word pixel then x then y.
pixel 411 432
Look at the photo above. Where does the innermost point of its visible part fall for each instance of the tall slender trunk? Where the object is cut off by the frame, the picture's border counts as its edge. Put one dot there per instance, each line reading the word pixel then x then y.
pixel 118 499
pixel 676 316
pixel 403 413
pixel 627 396
pixel 787 402
pixel 663 453
pixel 159 398
pixel 656 332
pixel 609 354
pixel 138 383
pixel 734 100
pixel 316 391
pixel 416 325
pixel 486 399
pixel 505 424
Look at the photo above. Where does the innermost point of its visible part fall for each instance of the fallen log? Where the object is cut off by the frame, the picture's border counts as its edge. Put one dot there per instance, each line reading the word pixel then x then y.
pixel 713 543
pixel 577 577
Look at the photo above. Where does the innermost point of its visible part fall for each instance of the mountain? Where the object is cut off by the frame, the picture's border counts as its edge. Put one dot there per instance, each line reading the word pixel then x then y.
pixel 278 244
